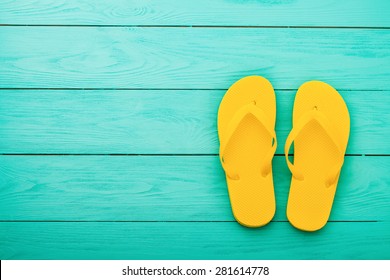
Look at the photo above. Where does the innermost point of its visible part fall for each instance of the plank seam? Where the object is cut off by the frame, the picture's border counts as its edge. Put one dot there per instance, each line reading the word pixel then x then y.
pixel 125 221
pixel 194 26
pixel 152 155
pixel 167 89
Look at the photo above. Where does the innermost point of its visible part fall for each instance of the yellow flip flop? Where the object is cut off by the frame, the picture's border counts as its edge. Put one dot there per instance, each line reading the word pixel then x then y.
pixel 246 121
pixel 320 134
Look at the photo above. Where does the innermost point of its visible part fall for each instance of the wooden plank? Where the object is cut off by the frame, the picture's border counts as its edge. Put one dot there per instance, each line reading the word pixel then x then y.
pixel 200 12
pixel 191 241
pixel 191 58
pixel 164 188
pixel 156 122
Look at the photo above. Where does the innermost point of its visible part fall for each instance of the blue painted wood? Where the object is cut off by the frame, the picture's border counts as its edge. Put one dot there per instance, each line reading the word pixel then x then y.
pixel 78 190
pixel 191 58
pixel 192 241
pixel 201 12
pixel 156 122
pixel 164 188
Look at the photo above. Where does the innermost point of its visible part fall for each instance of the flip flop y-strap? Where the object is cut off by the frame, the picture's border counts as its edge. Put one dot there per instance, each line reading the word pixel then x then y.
pixel 323 121
pixel 238 117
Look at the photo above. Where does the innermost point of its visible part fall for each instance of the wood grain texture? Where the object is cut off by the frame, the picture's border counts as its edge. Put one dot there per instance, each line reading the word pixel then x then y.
pixel 191 58
pixel 192 241
pixel 156 122
pixel 154 74
pixel 167 188
pixel 201 12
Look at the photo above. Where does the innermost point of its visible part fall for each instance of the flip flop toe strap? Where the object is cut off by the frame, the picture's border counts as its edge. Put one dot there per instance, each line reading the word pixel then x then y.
pixel 260 116
pixel 323 121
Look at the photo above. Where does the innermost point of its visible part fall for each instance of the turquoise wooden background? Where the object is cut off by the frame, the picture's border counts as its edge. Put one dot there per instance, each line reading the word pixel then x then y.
pixel 108 125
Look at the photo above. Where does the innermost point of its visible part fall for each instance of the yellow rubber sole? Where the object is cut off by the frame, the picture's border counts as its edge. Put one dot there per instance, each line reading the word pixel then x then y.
pixel 251 196
pixel 315 153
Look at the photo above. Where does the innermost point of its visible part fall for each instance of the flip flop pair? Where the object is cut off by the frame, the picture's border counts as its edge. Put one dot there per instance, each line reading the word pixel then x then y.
pixel 246 129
